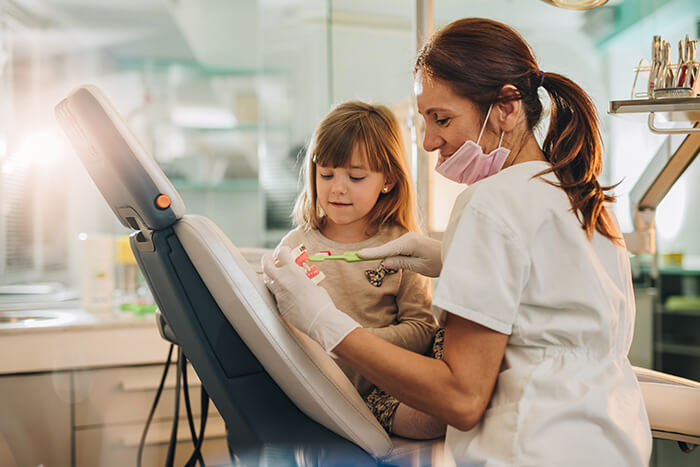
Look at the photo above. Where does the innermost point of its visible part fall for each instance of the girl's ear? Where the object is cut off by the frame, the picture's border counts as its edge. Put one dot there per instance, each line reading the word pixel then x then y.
pixel 388 186
pixel 508 111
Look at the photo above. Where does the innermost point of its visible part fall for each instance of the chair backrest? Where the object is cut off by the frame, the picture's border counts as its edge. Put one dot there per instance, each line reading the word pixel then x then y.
pixel 278 392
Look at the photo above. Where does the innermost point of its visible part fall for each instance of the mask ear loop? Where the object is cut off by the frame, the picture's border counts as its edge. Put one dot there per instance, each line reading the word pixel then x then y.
pixel 483 127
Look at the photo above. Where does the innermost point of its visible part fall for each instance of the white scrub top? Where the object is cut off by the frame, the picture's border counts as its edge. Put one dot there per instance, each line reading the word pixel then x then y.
pixel 516 260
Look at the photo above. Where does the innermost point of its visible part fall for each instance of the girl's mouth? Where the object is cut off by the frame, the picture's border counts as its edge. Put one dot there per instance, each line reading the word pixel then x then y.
pixel 339 205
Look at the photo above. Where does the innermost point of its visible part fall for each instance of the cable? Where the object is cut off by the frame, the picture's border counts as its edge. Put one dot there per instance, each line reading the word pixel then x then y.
pixel 197 440
pixel 153 407
pixel 687 447
pixel 169 461
pixel 196 454
pixel 202 425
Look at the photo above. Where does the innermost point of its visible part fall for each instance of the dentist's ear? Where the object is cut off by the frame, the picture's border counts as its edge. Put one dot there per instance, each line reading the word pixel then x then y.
pixel 508 111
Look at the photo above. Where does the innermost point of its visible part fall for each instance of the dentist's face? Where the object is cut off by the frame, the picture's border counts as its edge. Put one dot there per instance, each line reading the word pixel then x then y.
pixel 450 119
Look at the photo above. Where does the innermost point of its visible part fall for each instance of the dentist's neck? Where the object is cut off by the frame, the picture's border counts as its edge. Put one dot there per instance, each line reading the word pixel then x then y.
pixel 525 149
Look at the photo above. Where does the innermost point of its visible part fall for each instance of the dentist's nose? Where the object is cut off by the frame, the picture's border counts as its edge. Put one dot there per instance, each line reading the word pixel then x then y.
pixel 431 140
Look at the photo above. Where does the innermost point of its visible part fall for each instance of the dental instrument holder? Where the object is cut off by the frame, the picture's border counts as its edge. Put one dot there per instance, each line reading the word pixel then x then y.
pixel 672 89
pixel 668 84
pixel 666 79
pixel 280 395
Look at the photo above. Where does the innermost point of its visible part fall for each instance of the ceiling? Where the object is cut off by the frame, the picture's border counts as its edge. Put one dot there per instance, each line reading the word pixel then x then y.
pixel 223 32
pixel 143 27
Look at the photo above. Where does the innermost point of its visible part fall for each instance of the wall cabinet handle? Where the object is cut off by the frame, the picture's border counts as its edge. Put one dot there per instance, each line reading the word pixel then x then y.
pixel 148 383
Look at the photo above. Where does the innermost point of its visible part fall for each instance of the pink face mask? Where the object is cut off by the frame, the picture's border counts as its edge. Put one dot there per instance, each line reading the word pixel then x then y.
pixel 469 164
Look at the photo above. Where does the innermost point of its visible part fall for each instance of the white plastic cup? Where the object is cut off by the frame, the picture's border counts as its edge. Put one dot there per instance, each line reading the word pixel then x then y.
pixel 97 273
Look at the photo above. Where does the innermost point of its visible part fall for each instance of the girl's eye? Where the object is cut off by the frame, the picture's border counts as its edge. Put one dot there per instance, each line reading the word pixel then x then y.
pixel 442 121
pixel 356 179
pixel 326 176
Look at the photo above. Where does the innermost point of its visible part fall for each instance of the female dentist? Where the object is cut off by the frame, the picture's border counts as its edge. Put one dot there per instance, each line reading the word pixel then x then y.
pixel 534 281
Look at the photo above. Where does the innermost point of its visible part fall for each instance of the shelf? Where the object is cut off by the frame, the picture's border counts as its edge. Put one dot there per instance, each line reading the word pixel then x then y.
pixel 678 349
pixel 680 312
pixel 242 184
pixel 669 104
pixel 682 108
pixel 682 306
pixel 241 128
pixel 678 271
pixel 669 270
pixel 166 63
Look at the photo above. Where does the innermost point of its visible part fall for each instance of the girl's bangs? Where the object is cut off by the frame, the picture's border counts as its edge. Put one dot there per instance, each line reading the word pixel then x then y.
pixel 335 148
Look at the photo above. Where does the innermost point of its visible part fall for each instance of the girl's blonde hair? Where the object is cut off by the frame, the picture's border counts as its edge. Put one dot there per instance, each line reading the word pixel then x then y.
pixel 376 128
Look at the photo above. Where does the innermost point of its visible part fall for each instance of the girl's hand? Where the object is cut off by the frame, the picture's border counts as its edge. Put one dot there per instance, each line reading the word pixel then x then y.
pixel 306 305
pixel 410 251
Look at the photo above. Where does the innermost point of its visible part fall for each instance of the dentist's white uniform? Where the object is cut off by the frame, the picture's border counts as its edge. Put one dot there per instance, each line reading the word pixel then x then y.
pixel 516 260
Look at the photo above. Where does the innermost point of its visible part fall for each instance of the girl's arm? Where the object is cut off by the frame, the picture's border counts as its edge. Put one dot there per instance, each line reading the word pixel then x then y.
pixel 415 324
pixel 455 390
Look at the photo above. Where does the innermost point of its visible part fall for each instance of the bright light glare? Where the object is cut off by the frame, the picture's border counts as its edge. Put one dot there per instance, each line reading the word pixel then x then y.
pixel 39 148
pixel 671 210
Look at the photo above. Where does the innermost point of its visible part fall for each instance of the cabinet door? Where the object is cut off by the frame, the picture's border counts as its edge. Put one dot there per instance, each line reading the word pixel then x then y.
pixel 35 426
pixel 125 395
pixel 111 407
pixel 117 445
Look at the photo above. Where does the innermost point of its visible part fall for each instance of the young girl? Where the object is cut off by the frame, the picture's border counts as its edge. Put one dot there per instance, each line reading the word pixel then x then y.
pixel 357 195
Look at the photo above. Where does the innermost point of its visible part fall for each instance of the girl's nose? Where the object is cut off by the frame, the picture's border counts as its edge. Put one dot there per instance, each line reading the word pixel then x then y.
pixel 339 186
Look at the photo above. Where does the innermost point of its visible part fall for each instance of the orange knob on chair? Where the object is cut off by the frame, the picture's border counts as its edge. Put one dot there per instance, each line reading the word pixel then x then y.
pixel 163 201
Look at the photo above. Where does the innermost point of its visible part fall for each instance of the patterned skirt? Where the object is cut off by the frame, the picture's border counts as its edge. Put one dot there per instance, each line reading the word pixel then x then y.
pixel 384 405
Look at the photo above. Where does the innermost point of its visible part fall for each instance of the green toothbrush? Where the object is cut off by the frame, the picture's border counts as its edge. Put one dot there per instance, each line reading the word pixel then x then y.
pixel 348 256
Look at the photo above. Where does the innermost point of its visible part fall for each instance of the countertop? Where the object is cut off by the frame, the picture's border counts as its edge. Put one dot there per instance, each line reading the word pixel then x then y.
pixel 78 339
pixel 73 339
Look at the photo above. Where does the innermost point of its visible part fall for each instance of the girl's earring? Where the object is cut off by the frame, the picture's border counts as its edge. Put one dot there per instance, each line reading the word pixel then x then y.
pixel 385 189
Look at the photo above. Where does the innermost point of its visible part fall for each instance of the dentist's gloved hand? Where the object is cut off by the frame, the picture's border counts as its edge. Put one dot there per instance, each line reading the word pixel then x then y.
pixel 306 305
pixel 411 251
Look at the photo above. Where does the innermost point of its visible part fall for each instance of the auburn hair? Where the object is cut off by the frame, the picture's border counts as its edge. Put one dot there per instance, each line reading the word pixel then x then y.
pixel 375 129
pixel 476 57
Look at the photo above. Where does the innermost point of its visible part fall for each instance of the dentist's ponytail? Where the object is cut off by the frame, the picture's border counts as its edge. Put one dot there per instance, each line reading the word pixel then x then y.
pixel 477 57
pixel 574 148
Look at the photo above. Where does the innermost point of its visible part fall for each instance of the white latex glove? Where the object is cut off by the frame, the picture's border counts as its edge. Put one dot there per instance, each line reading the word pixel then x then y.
pixel 304 304
pixel 411 251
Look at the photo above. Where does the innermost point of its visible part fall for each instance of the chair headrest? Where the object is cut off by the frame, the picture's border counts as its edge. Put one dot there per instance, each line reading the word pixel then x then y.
pixel 130 180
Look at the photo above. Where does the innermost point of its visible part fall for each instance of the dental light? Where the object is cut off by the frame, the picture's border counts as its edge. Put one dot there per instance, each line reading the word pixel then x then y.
pixel 576 4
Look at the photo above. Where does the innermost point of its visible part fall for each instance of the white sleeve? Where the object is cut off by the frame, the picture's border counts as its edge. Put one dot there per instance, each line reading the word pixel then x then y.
pixel 483 274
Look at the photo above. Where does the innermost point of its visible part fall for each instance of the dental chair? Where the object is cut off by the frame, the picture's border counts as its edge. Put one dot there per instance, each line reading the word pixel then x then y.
pixel 283 399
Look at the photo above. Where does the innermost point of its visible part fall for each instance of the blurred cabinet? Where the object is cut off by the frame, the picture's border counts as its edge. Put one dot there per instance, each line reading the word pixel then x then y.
pixel 677 323
pixel 236 206
pixel 110 410
pixel 222 135
pixel 35 420
pixel 667 339
pixel 88 418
